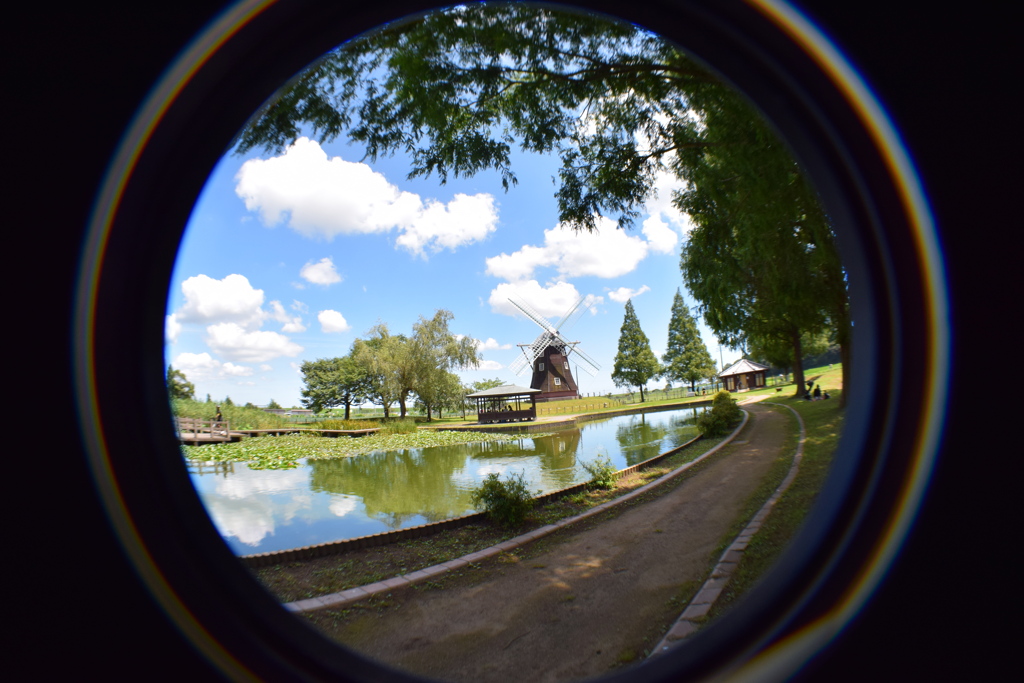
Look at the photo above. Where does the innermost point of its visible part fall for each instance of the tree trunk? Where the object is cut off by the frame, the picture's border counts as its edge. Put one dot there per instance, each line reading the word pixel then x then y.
pixel 348 407
pixel 798 365
pixel 641 394
pixel 844 358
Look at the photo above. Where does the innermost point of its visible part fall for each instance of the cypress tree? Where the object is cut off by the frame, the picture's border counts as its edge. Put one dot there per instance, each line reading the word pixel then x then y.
pixel 635 363
pixel 687 358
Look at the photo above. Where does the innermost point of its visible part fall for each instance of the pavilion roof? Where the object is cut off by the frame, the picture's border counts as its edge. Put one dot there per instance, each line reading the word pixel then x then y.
pixel 504 390
pixel 742 367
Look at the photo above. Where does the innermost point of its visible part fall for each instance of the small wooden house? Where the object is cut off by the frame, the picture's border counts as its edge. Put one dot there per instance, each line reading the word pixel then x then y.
pixel 744 375
pixel 507 403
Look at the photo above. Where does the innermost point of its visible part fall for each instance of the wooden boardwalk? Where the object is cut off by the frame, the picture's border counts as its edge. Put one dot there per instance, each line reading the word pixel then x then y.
pixel 196 432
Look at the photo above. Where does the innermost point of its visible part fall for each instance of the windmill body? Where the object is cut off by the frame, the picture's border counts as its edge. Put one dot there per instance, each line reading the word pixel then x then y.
pixel 548 355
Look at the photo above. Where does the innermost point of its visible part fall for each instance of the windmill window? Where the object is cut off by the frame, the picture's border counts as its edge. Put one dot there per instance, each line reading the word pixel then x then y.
pixel 558 382
pixel 540 367
pixel 565 364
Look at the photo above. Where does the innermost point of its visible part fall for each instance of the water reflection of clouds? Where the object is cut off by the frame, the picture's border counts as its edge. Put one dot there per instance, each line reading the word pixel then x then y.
pixel 250 504
pixel 245 482
pixel 342 505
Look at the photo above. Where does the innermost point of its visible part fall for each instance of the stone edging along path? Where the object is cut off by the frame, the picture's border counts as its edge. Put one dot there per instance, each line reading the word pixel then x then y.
pixel 701 604
pixel 352 595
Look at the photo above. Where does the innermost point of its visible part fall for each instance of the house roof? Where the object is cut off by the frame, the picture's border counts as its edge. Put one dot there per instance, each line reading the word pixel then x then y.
pixel 742 367
pixel 504 390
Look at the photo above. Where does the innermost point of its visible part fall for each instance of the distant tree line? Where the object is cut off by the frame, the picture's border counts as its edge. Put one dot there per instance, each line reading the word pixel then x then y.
pixel 385 369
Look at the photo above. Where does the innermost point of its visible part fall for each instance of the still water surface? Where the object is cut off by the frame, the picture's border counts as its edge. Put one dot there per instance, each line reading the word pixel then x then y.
pixel 329 500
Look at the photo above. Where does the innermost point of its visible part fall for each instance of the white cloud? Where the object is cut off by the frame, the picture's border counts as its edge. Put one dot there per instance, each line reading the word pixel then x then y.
pixel 332 321
pixel 489 365
pixel 465 219
pixel 322 272
pixel 662 238
pixel 232 299
pixel 289 324
pixel 491 344
pixel 232 370
pixel 232 341
pixel 266 368
pixel 325 197
pixel 624 294
pixel 201 367
pixel 607 252
pixel 172 328
pixel 299 307
pixel 551 302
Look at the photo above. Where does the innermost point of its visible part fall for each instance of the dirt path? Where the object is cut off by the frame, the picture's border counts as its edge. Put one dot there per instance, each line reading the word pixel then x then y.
pixel 580 603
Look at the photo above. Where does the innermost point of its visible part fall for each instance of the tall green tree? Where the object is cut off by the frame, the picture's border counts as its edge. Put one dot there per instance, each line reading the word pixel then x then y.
pixel 759 259
pixel 435 352
pixel 178 385
pixel 635 363
pixel 274 405
pixel 332 382
pixel 686 358
pixel 384 358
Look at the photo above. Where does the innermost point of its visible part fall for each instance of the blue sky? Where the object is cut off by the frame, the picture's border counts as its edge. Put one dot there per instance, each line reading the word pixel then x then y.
pixel 292 257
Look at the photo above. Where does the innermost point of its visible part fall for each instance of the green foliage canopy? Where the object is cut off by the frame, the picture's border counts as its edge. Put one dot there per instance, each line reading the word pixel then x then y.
pixel 333 382
pixel 457 88
pixel 178 385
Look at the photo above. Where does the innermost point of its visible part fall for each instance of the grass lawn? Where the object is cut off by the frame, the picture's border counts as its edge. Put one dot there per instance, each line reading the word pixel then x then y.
pixel 823 421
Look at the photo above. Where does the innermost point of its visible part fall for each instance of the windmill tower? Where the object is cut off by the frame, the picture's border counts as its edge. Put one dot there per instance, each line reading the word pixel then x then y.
pixel 548 355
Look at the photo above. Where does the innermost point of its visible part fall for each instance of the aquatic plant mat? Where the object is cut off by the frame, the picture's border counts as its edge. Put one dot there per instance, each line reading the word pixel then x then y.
pixel 285 451
pixel 300 579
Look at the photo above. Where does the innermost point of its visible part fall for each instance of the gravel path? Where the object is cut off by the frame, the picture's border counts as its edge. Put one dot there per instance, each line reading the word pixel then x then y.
pixel 584 601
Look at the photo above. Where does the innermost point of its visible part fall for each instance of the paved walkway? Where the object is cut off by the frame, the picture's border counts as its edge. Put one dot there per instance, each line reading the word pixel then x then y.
pixel 590 601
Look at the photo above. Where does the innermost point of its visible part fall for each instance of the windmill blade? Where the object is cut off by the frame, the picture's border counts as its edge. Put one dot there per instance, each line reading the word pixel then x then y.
pixel 572 347
pixel 568 314
pixel 588 361
pixel 530 353
pixel 532 314
pixel 518 365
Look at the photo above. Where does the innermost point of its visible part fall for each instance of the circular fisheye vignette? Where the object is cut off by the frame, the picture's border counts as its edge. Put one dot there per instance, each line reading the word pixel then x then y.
pixel 98 258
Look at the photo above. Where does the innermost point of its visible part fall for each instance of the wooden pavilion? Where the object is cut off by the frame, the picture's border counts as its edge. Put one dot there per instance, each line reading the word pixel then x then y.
pixel 507 403
pixel 744 375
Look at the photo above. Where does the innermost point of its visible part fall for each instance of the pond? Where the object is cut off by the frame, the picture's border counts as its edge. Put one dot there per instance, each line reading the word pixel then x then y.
pixel 321 501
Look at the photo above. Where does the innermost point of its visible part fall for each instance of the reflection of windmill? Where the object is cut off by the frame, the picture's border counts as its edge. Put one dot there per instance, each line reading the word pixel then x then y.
pixel 548 355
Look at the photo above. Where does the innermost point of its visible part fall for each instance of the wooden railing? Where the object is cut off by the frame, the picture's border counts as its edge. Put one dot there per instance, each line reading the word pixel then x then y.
pixel 196 426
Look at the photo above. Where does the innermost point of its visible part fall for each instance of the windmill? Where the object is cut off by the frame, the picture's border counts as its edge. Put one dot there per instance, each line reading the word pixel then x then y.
pixel 548 354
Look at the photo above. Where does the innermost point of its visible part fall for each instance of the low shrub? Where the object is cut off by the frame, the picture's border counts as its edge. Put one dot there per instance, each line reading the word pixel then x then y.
pixel 719 420
pixel 505 501
pixel 601 471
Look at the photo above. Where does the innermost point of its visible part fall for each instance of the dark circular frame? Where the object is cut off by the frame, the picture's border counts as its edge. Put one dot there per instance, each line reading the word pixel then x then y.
pixel 768 51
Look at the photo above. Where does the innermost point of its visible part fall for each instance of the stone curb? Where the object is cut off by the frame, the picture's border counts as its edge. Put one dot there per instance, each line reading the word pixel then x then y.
pixel 689 621
pixel 353 595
